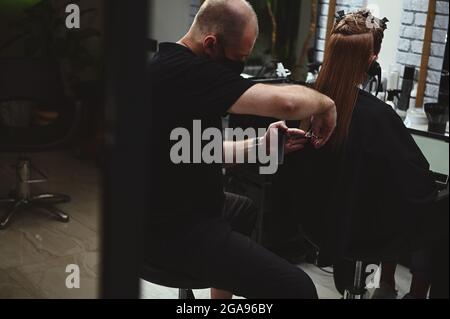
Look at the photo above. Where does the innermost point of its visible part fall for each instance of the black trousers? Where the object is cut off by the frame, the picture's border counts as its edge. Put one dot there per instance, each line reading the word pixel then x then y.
pixel 220 253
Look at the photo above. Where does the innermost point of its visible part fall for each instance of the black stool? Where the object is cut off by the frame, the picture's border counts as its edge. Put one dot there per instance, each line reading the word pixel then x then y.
pixel 357 290
pixel 351 274
pixel 183 283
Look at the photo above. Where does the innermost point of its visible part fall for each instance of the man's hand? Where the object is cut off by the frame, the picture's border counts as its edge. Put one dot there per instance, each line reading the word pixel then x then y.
pixel 295 138
pixel 323 126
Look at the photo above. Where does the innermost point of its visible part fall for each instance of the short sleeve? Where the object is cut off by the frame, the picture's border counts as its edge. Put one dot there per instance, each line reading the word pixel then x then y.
pixel 212 88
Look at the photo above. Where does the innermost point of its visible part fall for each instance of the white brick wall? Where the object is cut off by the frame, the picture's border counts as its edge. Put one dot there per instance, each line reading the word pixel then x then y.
pixel 420 19
pixel 407 17
pixel 415 5
pixel 404 45
pixel 410 43
pixel 442 7
pixel 412 33
pixel 438 49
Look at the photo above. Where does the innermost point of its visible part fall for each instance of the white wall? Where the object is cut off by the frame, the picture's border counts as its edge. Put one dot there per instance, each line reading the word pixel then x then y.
pixel 391 9
pixel 169 19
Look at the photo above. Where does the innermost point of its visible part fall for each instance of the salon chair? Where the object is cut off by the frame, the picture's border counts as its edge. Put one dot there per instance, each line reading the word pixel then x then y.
pixel 183 283
pixel 349 261
pixel 39 82
pixel 351 273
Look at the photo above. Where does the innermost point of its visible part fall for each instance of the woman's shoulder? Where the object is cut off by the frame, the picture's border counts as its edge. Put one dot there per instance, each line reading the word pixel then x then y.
pixel 370 106
pixel 374 120
pixel 371 112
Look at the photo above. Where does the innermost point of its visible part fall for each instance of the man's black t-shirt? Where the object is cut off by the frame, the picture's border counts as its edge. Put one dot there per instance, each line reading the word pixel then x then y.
pixel 185 87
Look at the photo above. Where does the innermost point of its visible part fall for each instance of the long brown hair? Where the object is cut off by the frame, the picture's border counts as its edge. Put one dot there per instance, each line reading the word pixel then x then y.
pixel 354 39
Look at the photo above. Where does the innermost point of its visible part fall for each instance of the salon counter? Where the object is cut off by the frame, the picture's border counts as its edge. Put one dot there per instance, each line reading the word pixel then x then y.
pixel 422 130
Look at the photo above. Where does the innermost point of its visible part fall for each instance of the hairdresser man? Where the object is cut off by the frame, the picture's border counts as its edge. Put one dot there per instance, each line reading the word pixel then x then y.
pixel 194 228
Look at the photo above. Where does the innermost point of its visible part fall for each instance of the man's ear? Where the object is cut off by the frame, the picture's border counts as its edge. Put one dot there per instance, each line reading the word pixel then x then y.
pixel 209 45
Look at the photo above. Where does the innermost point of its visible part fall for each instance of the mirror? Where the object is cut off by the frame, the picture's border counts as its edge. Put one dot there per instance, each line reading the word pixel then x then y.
pixel 416 35
pixel 287 32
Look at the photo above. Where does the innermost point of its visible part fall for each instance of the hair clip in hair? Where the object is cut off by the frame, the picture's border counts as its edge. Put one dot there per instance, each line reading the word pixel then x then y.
pixel 384 22
pixel 340 16
pixel 366 14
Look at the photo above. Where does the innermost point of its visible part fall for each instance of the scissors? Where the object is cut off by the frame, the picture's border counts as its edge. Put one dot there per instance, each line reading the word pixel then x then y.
pixel 310 135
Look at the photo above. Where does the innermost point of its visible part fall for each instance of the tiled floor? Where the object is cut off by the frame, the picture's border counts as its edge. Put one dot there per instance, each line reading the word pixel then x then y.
pixel 35 250
pixel 324 284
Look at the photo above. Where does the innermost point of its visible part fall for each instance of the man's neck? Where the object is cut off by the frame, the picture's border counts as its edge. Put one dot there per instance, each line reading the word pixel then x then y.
pixel 191 44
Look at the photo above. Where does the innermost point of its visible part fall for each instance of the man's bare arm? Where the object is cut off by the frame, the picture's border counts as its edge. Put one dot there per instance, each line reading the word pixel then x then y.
pixel 291 102
pixel 240 148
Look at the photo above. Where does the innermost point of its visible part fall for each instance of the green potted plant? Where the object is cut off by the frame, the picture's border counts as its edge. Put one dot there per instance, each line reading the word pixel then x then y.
pixel 37 30
pixel 41 33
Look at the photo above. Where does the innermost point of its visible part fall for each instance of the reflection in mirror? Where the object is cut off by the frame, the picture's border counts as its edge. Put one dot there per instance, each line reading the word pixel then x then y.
pixel 287 30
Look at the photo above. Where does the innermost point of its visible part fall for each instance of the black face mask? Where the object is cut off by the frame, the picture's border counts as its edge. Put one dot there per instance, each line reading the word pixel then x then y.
pixel 235 66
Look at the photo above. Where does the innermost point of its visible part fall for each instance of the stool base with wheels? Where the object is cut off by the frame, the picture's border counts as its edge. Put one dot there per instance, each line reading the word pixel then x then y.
pixel 23 199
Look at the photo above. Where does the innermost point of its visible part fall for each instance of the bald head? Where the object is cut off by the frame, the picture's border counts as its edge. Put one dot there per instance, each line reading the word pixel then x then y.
pixel 224 31
pixel 229 20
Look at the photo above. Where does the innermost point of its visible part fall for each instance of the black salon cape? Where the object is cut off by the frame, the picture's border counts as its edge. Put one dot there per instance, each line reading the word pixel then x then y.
pixel 370 199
